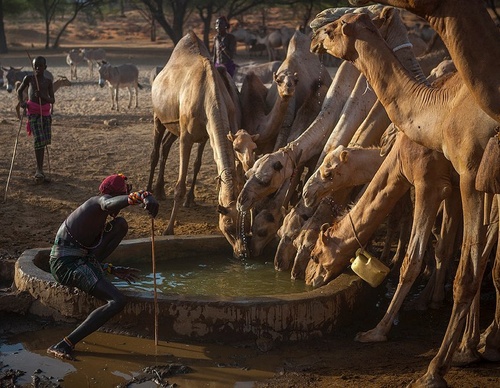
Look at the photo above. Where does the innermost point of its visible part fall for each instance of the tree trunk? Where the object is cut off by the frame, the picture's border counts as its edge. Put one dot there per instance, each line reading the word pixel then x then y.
pixel 3 40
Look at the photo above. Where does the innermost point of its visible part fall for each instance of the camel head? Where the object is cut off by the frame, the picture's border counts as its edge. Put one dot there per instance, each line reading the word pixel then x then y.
pixel 244 147
pixel 329 177
pixel 328 258
pixel 304 244
pixel 335 38
pixel 235 227
pixel 269 214
pixel 290 228
pixel 286 82
pixel 266 176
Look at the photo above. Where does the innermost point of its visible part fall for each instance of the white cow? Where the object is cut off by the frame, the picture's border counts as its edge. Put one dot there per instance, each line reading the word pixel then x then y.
pixel 93 57
pixel 122 76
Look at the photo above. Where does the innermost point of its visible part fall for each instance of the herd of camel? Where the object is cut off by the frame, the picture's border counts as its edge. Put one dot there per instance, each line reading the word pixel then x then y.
pixel 395 129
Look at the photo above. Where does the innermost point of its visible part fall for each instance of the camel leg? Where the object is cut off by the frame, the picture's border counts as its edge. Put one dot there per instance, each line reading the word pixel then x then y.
pixel 467 281
pixel 158 133
pixel 166 144
pixel 490 340
pixel 432 296
pixel 427 201
pixel 197 165
pixel 185 146
pixel 136 96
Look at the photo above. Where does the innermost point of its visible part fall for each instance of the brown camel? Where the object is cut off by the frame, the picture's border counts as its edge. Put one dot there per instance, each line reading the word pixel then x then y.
pixel 461 24
pixel 407 163
pixel 436 119
pixel 195 115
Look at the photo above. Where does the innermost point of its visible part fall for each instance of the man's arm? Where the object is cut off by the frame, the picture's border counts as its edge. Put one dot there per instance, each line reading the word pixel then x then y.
pixel 115 204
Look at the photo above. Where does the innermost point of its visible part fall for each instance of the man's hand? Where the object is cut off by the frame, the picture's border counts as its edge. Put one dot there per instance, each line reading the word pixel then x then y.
pixel 126 273
pixel 151 205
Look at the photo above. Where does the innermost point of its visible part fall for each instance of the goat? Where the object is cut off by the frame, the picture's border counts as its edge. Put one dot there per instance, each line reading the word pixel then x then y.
pixel 123 76
pixel 14 74
pixel 93 56
pixel 58 83
pixel 73 58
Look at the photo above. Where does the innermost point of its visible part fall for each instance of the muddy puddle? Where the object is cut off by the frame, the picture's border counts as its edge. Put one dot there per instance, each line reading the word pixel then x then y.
pixel 112 360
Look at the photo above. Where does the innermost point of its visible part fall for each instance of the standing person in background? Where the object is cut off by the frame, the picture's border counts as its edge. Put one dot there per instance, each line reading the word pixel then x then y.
pixel 224 47
pixel 39 109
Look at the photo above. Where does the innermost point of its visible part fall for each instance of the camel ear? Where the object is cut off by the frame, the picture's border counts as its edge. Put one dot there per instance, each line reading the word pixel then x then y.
pixel 230 136
pixel 323 229
pixel 255 137
pixel 277 166
pixel 296 77
pixel 343 156
pixel 346 28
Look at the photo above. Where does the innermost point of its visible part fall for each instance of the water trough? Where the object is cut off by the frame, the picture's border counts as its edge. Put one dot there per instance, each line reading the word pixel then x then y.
pixel 282 317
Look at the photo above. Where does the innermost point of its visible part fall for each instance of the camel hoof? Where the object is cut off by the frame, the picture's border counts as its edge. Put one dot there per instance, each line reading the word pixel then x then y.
pixel 489 354
pixel 370 336
pixel 428 380
pixel 464 357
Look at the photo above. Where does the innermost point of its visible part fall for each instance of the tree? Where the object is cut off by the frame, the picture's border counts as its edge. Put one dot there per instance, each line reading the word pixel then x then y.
pixel 49 8
pixel 8 8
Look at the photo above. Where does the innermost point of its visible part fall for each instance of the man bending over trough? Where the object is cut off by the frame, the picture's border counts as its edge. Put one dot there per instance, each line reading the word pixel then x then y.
pixel 82 243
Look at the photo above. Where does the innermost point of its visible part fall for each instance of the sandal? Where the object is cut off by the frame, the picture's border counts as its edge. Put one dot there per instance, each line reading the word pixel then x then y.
pixel 61 353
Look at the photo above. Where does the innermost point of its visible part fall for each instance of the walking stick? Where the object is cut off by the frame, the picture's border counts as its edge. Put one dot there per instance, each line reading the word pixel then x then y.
pixel 13 155
pixel 154 278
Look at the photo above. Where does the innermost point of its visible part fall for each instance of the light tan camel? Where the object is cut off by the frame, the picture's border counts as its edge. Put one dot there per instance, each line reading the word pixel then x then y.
pixel 341 168
pixel 270 171
pixel 195 115
pixel 288 232
pixel 461 137
pixel 256 118
pixel 244 146
pixel 310 92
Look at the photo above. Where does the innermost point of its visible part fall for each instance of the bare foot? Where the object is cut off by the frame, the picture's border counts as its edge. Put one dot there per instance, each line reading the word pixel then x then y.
pixel 60 352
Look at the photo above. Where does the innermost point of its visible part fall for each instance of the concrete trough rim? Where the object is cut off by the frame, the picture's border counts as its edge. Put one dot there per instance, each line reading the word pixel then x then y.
pixel 280 307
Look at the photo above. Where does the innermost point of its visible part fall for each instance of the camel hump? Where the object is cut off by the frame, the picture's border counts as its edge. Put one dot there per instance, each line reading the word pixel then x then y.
pixel 190 43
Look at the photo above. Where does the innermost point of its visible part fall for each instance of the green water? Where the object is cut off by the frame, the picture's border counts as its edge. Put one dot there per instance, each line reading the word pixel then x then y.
pixel 215 276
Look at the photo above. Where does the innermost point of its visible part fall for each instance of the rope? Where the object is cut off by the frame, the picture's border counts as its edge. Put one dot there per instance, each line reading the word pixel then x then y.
pixel 354 230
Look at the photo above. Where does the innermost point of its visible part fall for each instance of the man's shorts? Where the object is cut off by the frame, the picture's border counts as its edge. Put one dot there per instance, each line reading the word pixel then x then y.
pixel 77 271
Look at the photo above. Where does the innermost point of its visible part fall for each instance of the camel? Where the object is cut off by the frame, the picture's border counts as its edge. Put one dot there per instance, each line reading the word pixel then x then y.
pixel 270 171
pixel 460 137
pixel 325 212
pixel 461 24
pixel 408 163
pixel 195 115
pixel 288 232
pixel 244 146
pixel 341 168
pixel 255 117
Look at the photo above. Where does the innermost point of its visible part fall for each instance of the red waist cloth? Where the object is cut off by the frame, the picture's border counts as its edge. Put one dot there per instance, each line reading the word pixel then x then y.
pixel 34 108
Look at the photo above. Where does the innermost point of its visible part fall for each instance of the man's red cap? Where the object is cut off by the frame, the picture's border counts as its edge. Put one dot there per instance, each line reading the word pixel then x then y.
pixel 114 185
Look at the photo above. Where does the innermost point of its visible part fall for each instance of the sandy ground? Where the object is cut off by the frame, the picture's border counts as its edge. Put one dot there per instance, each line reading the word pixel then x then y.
pixel 85 149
